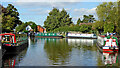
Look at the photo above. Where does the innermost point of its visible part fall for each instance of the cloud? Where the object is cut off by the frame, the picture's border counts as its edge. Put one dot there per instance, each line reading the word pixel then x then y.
pixel 36 12
pixel 43 4
pixel 83 11
pixel 58 0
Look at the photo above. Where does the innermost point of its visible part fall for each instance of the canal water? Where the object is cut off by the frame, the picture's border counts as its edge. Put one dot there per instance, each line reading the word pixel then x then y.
pixel 61 52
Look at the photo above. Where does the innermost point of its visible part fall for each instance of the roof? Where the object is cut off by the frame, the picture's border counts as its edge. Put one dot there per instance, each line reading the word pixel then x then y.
pixel 86 23
pixel 41 26
pixel 7 34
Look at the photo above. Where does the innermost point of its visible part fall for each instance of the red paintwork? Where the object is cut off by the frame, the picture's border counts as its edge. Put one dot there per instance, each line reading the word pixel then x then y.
pixel 109 50
pixel 9 34
pixel 7 45
pixel 102 36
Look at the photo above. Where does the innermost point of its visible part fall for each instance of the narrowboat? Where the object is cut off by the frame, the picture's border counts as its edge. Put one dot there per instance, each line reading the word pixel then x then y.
pixel 48 35
pixel 107 44
pixel 11 42
pixel 81 35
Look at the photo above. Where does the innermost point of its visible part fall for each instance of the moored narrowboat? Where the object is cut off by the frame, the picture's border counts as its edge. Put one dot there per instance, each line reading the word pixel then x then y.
pixel 11 42
pixel 48 35
pixel 107 44
pixel 81 35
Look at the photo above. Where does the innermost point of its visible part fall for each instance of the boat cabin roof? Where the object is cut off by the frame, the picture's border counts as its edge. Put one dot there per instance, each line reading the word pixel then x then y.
pixel 7 34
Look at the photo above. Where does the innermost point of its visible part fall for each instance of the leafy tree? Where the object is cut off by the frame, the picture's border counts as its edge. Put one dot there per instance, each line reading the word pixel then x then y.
pixel 22 27
pixel 78 21
pixel 10 18
pixel 85 28
pixel 98 26
pixel 57 19
pixel 67 28
pixel 118 23
pixel 108 27
pixel 88 19
pixel 108 15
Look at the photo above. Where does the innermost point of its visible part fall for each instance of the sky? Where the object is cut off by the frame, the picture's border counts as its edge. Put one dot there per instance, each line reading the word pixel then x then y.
pixel 37 10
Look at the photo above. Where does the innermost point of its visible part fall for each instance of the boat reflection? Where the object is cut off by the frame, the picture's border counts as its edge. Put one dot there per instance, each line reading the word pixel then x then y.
pixel 110 58
pixel 11 60
pixel 83 44
pixel 87 42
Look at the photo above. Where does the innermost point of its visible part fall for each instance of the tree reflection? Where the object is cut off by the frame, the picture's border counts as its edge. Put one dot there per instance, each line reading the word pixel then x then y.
pixel 58 51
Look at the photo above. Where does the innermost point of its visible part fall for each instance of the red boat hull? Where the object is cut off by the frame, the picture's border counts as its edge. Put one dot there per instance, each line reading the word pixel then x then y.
pixel 110 50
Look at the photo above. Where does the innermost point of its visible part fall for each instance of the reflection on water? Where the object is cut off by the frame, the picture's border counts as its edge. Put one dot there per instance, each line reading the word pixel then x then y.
pixel 58 51
pixel 10 60
pixel 110 58
pixel 62 52
pixel 87 42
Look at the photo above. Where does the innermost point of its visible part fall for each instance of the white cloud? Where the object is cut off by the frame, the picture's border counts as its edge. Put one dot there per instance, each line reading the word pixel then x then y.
pixel 85 11
pixel 36 12
pixel 80 12
pixel 67 9
pixel 43 4
pixel 58 0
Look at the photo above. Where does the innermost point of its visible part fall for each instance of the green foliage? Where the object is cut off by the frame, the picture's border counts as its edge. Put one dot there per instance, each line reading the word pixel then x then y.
pixel 88 19
pixel 67 28
pixel 85 28
pixel 81 28
pixel 57 19
pixel 22 27
pixel 108 17
pixel 108 27
pixel 10 18
pixel 118 23
pixel 79 21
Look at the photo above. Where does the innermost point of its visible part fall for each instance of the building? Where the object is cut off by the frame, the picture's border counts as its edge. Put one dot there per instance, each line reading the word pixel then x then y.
pixel 40 29
pixel 28 28
pixel 86 23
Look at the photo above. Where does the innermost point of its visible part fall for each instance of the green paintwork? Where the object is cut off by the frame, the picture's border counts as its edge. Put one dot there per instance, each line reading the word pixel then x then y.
pixel 113 37
pixel 48 34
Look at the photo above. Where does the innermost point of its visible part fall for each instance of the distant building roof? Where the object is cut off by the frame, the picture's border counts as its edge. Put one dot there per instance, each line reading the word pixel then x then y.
pixel 41 26
pixel 86 23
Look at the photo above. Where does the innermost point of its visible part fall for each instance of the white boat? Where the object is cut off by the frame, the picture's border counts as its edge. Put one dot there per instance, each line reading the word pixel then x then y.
pixel 80 35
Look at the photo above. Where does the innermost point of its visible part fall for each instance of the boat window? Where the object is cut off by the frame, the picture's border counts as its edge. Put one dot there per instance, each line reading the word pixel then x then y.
pixel 6 38
pixel 0 38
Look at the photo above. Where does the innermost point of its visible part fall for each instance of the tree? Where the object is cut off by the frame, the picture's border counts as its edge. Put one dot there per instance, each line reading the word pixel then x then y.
pixel 78 21
pixel 98 26
pixel 32 24
pixel 108 14
pixel 88 19
pixel 108 27
pixel 10 18
pixel 85 28
pixel 57 19
pixel 22 27
pixel 118 23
